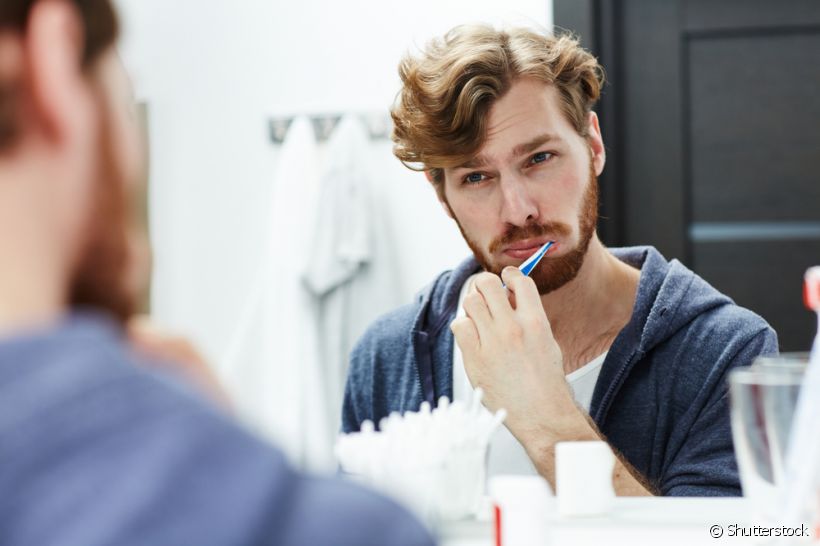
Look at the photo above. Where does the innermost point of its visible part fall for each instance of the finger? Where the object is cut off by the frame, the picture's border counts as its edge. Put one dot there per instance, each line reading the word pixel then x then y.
pixel 527 299
pixel 476 309
pixel 490 287
pixel 466 335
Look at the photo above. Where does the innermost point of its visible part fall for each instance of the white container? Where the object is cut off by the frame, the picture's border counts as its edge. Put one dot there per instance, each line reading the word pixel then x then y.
pixel 523 504
pixel 583 478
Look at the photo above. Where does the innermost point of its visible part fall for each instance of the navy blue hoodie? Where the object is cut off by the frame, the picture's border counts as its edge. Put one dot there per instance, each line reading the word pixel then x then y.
pixel 661 398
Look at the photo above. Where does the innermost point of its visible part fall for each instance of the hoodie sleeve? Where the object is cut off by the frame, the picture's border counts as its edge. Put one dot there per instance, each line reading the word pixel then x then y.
pixel 705 464
pixel 358 399
pixel 382 376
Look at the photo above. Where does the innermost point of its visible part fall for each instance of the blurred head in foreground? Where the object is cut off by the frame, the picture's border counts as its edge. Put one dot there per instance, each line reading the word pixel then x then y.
pixel 70 159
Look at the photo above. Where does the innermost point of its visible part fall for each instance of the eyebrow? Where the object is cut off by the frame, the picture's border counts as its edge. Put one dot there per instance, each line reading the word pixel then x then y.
pixel 474 163
pixel 519 150
pixel 530 146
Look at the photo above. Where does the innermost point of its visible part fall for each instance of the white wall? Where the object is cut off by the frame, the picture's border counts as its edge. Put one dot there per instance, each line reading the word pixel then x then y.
pixel 212 72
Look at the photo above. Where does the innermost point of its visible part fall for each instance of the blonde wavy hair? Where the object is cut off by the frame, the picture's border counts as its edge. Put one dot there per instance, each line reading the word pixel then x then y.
pixel 440 114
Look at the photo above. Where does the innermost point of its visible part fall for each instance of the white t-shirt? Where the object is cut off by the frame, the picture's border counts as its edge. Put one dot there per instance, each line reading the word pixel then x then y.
pixel 507 455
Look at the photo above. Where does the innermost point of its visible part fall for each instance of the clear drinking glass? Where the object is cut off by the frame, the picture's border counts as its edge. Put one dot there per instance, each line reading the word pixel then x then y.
pixel 763 401
pixel 787 361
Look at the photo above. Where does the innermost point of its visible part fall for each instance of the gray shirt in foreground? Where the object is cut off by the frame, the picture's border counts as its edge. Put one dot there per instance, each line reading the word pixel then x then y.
pixel 96 450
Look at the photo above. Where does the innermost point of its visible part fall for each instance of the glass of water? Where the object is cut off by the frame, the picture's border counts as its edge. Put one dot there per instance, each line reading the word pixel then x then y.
pixel 763 401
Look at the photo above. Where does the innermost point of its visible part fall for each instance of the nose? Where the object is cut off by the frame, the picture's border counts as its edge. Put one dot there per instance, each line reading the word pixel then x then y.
pixel 518 204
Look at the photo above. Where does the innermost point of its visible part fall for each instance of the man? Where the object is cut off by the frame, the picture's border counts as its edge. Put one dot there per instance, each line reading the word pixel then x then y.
pixel 613 344
pixel 97 445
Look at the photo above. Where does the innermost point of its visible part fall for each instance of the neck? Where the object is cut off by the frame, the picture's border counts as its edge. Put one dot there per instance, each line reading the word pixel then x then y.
pixel 587 313
pixel 32 283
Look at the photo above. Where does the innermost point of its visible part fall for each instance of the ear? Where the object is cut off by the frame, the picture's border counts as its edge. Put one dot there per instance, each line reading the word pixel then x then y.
pixel 442 199
pixel 54 44
pixel 596 143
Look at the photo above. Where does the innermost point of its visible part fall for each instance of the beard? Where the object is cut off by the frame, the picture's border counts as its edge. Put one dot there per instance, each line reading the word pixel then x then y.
pixel 102 279
pixel 551 273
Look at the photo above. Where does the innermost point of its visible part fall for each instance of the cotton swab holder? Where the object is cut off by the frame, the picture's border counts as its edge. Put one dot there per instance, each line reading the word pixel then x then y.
pixel 433 461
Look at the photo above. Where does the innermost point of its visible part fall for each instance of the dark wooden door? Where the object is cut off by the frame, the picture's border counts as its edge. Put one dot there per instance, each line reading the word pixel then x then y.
pixel 712 122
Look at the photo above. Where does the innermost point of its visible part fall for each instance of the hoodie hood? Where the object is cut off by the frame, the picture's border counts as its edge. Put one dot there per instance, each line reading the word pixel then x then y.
pixel 663 287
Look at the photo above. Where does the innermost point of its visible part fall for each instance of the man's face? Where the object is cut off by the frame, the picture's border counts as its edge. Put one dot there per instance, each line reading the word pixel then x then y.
pixel 113 265
pixel 534 180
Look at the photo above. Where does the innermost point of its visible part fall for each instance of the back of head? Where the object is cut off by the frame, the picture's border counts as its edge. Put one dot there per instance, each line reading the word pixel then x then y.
pixel 155 463
pixel 69 159
pixel 440 114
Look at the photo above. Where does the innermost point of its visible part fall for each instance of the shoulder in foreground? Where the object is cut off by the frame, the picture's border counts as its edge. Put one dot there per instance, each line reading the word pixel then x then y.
pixel 350 515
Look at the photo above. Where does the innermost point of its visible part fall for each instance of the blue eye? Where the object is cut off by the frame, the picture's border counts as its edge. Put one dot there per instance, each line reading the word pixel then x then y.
pixel 540 157
pixel 473 178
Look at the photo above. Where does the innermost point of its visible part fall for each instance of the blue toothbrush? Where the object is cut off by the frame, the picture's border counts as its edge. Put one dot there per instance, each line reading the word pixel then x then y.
pixel 533 260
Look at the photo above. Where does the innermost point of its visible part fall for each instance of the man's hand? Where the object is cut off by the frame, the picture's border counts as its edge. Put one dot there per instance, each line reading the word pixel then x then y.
pixel 510 352
pixel 180 356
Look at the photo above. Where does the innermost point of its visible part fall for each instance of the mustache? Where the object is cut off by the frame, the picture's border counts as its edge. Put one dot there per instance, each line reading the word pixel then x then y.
pixel 529 231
